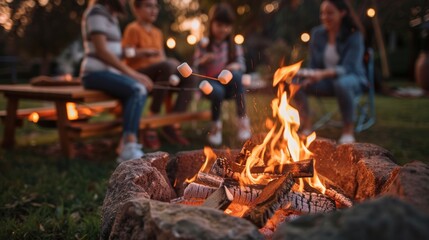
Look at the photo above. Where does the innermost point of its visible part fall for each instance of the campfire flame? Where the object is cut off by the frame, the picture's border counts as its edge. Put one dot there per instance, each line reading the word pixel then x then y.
pixel 283 143
pixel 33 117
pixel 210 159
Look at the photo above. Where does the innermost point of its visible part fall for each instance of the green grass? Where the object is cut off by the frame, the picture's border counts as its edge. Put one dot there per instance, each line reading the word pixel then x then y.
pixel 44 196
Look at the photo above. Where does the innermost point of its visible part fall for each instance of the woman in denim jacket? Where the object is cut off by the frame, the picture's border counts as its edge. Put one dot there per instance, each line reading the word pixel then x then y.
pixel 335 65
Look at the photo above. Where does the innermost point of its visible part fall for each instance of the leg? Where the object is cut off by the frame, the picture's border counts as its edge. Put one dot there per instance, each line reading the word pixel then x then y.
pixel 346 89
pixel 132 95
pixel 216 97
pixel 159 73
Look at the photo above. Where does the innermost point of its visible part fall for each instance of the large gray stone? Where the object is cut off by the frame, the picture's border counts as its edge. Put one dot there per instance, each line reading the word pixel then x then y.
pixel 139 178
pixel 149 219
pixel 411 185
pixel 380 219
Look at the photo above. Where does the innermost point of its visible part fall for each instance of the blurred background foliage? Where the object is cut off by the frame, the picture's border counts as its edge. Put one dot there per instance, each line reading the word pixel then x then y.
pixel 43 35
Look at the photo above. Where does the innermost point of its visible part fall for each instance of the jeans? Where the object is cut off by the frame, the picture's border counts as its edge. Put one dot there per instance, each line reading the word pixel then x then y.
pixel 234 89
pixel 132 95
pixel 346 88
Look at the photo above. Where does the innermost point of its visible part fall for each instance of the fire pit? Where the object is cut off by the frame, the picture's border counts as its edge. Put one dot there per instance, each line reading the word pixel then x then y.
pixel 253 192
pixel 140 194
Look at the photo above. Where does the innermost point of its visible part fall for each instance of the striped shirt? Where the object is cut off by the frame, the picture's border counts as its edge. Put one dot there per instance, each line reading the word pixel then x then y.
pixel 98 20
pixel 213 68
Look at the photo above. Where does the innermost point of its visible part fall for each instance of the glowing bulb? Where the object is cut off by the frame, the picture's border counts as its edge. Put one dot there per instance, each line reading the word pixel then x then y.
pixel 171 43
pixel 305 37
pixel 370 12
pixel 239 39
pixel 191 39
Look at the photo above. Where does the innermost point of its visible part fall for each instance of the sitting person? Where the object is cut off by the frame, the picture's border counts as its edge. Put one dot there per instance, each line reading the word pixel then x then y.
pixel 336 66
pixel 148 57
pixel 102 69
pixel 222 53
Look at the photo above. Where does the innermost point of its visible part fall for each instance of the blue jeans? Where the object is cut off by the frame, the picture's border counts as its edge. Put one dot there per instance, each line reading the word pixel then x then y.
pixel 132 95
pixel 234 89
pixel 346 88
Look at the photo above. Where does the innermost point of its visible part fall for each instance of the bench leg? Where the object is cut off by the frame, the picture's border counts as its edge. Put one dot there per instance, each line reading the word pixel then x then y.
pixel 9 126
pixel 62 124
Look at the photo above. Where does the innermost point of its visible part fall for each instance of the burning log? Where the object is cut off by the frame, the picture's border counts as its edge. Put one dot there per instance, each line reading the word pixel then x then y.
pixel 243 194
pixel 220 199
pixel 224 168
pixel 269 201
pixel 196 190
pixel 209 179
pixel 338 197
pixel 308 202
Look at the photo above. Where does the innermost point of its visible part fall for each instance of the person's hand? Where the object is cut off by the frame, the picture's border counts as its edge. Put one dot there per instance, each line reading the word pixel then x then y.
pixel 144 79
pixel 233 66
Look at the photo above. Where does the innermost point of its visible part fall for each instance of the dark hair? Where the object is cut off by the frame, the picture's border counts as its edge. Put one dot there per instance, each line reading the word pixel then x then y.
pixel 114 5
pixel 349 22
pixel 222 13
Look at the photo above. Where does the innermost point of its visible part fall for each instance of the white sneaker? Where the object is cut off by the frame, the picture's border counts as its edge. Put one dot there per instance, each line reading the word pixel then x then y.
pixel 130 151
pixel 215 134
pixel 346 138
pixel 244 131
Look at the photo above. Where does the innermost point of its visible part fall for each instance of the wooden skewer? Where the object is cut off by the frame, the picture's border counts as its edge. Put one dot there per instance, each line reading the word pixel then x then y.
pixel 203 76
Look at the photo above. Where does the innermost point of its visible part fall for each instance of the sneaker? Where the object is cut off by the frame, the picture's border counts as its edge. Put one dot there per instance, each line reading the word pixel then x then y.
pixel 215 134
pixel 244 131
pixel 150 139
pixel 130 151
pixel 174 135
pixel 346 138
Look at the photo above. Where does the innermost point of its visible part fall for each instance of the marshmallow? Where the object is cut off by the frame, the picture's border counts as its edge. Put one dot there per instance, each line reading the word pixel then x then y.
pixel 174 80
pixel 204 42
pixel 130 52
pixel 184 69
pixel 206 87
pixel 246 80
pixel 225 76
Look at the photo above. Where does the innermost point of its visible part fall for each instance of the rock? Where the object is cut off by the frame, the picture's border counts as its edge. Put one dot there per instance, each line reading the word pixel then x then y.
pixel 410 184
pixel 149 219
pixel 353 167
pixel 139 178
pixel 371 176
pixel 384 218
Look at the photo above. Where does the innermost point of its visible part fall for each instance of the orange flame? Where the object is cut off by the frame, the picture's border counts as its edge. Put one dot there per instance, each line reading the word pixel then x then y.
pixel 210 159
pixel 282 142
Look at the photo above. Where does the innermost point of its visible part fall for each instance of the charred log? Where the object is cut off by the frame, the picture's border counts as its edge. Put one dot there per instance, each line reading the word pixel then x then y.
pixel 269 201
pixel 196 190
pixel 308 202
pixel 220 199
pixel 227 169
pixel 341 199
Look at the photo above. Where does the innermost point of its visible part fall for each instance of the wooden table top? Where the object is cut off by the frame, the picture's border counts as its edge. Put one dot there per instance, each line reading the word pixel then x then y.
pixel 52 93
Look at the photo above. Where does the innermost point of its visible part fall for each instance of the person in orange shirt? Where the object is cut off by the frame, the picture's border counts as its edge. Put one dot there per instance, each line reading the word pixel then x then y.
pixel 144 51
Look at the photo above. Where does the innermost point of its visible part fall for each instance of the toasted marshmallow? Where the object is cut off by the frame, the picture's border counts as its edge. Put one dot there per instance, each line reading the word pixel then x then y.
pixel 224 77
pixel 184 69
pixel 206 87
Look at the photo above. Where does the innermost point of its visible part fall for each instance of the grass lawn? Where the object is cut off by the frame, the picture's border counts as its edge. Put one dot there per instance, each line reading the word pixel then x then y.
pixel 44 196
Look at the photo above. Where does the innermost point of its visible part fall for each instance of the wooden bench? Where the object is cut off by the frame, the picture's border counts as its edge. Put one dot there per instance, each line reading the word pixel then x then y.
pixel 68 130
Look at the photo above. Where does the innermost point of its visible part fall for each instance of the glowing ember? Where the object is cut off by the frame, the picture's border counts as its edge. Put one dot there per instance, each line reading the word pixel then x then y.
pixel 34 117
pixel 72 113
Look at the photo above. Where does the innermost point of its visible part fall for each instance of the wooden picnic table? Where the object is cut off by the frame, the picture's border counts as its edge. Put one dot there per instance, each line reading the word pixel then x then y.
pixel 68 130
pixel 59 95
